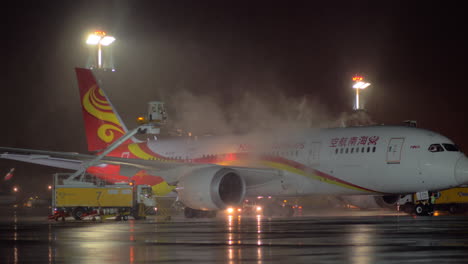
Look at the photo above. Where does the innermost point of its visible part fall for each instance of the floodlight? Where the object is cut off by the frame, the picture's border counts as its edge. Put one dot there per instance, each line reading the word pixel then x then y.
pixel 107 40
pixel 93 39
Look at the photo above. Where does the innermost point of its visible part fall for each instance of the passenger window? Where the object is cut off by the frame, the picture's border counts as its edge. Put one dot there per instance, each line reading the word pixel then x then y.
pixel 336 151
pixel 341 151
pixel 451 147
pixel 352 150
pixel 368 149
pixel 435 148
pixel 373 149
pixel 346 150
pixel 362 150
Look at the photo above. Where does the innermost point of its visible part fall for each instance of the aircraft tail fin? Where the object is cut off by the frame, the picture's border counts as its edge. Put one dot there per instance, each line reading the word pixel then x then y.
pixel 102 124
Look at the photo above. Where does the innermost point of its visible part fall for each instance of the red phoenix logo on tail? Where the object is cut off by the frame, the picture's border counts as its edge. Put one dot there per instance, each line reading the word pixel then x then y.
pixel 102 125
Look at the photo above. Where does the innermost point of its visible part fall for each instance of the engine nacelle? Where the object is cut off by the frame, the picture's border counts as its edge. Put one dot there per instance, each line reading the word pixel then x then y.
pixel 211 188
pixel 387 201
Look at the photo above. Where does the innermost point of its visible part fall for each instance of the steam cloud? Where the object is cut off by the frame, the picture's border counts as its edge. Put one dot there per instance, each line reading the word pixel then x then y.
pixel 201 114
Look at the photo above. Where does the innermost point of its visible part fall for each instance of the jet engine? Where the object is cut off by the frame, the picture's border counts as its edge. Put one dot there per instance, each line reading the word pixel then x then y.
pixel 211 188
pixel 387 201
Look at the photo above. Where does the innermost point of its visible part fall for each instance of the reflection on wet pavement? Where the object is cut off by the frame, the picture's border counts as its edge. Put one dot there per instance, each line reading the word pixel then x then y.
pixel 315 239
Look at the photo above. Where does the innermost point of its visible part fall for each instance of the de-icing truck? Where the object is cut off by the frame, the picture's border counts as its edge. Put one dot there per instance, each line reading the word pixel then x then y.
pixel 92 196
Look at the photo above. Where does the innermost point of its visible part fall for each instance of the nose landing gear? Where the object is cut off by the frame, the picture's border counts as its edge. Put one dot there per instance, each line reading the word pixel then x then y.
pixel 423 210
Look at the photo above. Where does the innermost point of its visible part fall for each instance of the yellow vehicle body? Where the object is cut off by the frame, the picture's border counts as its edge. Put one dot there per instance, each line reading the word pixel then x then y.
pixel 454 195
pixel 94 196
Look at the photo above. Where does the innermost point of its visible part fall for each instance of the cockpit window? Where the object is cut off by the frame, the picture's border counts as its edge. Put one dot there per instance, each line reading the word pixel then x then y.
pixel 451 147
pixel 436 148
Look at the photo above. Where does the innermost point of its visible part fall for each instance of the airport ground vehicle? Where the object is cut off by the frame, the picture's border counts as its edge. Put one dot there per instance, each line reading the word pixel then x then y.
pixel 453 200
pixel 91 196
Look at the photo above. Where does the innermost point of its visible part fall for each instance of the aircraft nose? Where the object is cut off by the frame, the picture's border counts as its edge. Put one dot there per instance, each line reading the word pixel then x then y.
pixel 461 170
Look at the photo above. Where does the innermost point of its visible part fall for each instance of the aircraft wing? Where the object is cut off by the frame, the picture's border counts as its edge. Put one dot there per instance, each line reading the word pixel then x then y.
pixel 74 161
pixel 169 170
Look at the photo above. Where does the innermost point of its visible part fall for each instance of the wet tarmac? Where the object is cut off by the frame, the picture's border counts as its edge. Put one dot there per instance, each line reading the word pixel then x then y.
pixel 357 237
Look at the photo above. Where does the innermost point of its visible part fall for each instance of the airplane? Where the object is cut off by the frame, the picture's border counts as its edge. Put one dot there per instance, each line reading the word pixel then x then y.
pixel 6 197
pixel 9 174
pixel 209 174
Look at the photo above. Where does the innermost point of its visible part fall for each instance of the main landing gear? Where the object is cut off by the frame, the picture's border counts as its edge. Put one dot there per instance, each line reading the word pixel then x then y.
pixel 423 210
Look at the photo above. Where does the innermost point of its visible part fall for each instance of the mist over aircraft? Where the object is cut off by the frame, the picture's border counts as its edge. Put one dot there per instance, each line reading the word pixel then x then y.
pixel 215 172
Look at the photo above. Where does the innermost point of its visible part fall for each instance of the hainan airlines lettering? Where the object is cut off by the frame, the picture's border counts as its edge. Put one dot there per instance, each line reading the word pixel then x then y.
pixel 353 141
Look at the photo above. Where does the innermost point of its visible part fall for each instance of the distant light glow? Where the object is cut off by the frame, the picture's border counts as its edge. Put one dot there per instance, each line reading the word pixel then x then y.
pixel 107 40
pixel 358 78
pixel 93 39
pixel 100 33
pixel 360 85
pixel 100 38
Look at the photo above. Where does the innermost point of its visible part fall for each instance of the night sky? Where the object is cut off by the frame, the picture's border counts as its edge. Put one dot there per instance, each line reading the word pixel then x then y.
pixel 221 65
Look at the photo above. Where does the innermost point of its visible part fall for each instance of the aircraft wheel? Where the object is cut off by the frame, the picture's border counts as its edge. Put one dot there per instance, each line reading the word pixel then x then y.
pixel 420 210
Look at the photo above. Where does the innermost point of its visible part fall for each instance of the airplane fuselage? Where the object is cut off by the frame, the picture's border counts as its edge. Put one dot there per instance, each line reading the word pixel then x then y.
pixel 354 160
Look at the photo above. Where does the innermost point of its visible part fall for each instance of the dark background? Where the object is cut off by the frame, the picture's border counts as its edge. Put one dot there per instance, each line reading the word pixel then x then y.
pixel 222 65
